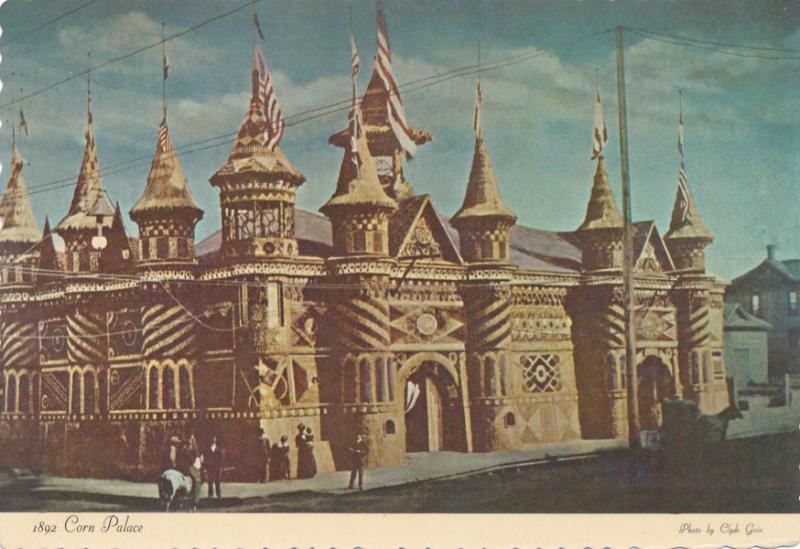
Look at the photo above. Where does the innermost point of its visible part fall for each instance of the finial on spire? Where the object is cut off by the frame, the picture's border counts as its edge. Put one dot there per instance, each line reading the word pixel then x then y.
pixel 599 133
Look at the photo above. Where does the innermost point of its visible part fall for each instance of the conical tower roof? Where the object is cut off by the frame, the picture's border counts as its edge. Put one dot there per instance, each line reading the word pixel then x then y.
pixel 167 188
pixel 482 198
pixel 18 224
pixel 602 212
pixel 358 186
pixel 251 152
pixel 89 199
pixel 686 221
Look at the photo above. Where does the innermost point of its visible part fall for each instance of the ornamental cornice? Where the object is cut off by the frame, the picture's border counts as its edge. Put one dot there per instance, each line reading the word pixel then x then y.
pixel 301 267
pixel 361 265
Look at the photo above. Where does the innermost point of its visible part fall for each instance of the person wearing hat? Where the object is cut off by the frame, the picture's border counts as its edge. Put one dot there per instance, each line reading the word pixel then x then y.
pixel 358 453
pixel 171 457
pixel 282 465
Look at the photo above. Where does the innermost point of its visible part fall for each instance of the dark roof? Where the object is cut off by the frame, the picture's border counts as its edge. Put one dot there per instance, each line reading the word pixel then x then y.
pixel 531 249
pixel 789 269
pixel 736 318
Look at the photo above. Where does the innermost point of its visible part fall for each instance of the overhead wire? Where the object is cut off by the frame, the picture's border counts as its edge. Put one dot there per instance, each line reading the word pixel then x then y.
pixel 47 23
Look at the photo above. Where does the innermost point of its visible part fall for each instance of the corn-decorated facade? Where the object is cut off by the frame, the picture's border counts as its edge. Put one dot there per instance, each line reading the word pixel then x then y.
pixel 471 334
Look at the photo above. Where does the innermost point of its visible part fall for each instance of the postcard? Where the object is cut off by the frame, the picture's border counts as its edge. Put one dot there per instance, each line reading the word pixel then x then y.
pixel 399 274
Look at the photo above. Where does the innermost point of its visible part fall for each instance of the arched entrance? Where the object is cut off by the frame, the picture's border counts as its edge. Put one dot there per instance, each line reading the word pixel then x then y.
pixel 655 384
pixel 434 416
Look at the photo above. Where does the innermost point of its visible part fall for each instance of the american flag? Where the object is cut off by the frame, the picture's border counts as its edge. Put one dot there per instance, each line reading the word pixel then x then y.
pixel 394 103
pixel 262 86
pixel 476 116
pixel 683 183
pixel 599 134
pixel 355 57
pixel 163 136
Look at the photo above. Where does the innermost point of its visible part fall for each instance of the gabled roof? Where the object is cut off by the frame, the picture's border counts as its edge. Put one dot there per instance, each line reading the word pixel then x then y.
pixel 736 318
pixel 416 226
pixel 166 188
pixel 647 240
pixel 482 197
pixel 531 249
pixel 601 212
pixel 48 256
pixel 89 199
pixel 358 186
pixel 15 207
pixel 788 269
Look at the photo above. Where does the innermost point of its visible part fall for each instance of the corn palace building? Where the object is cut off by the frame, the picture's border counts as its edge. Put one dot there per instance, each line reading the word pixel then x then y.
pixel 380 316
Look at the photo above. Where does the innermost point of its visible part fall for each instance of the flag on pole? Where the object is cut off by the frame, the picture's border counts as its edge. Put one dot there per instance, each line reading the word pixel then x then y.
pixel 23 124
pixel 163 136
pixel 262 86
pixel 355 134
pixel 476 116
pixel 356 59
pixel 599 134
pixel 258 26
pixel 683 183
pixel 394 103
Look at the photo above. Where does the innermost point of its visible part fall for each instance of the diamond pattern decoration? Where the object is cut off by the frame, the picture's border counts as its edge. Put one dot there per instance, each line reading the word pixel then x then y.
pixel 540 373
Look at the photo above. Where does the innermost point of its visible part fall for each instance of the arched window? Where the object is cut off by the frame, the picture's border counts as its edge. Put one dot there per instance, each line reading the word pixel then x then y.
pixel 24 387
pixel 365 381
pixel 162 247
pixel 145 242
pixel 489 377
pixel 509 420
pixel 623 372
pixel 102 390
pixel 168 388
pixel 611 362
pixel 75 403
pixel 186 387
pixel 349 381
pixel 706 371
pixel 380 379
pixel 88 393
pixel 154 398
pixel 389 427
pixel 390 375
pixel 11 394
pixel 695 372
pixel 503 375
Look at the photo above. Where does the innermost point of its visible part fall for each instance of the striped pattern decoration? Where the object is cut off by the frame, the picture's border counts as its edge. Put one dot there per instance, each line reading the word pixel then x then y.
pixel 19 344
pixel 86 337
pixel 488 319
pixel 363 323
pixel 613 325
pixel 168 332
pixel 55 390
pixel 699 328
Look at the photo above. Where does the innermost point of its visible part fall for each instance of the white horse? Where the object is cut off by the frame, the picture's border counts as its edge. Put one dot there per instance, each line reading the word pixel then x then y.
pixel 174 486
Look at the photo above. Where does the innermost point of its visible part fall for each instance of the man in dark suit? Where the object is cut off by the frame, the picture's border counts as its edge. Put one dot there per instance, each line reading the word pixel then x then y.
pixel 358 452
pixel 213 463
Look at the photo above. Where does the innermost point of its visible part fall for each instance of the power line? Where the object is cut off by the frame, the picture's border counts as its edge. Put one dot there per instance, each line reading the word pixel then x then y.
pixel 131 54
pixel 297 119
pixel 690 44
pixel 712 43
pixel 46 23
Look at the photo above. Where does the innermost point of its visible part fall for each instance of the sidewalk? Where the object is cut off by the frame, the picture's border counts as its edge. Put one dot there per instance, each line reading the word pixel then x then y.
pixel 422 466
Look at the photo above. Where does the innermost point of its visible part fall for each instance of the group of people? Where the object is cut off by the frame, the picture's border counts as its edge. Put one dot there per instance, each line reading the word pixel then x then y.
pixel 273 462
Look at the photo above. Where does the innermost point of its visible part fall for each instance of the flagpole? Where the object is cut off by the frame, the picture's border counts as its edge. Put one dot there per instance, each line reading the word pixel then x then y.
pixel 629 296
pixel 352 72
pixel 163 72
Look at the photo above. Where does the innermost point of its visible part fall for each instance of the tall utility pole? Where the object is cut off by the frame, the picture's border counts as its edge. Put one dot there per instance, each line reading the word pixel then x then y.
pixel 629 297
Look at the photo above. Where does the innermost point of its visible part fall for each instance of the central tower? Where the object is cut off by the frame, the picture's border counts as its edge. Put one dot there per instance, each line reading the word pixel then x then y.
pixel 257 184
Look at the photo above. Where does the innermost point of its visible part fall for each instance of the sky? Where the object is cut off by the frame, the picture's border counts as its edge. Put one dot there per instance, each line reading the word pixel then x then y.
pixel 741 113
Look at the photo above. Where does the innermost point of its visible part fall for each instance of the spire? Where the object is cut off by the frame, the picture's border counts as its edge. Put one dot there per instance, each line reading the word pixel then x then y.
pixel 686 222
pixel 256 147
pixel 482 198
pixel 167 187
pixel 602 212
pixel 358 183
pixel 89 200
pixel 18 224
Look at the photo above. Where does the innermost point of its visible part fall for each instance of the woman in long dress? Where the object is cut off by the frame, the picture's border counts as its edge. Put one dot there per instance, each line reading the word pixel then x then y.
pixel 304 441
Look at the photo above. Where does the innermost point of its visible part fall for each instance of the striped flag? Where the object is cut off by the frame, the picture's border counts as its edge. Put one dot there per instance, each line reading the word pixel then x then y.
pixel 167 62
pixel 262 88
pixel 23 124
pixel 683 183
pixel 163 136
pixel 355 134
pixel 599 134
pixel 476 116
pixel 356 59
pixel 394 103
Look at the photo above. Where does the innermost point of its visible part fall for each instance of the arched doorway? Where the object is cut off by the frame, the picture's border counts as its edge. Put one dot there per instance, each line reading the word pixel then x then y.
pixel 433 411
pixel 655 384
